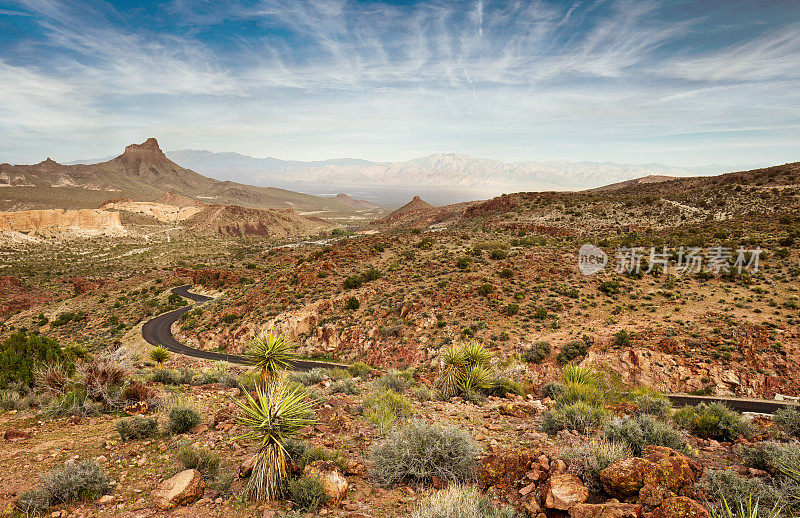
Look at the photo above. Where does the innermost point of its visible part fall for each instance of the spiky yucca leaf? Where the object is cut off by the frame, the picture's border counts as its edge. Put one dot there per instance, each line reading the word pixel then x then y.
pixel 276 414
pixel 477 378
pixel 454 363
pixel 579 375
pixel 159 354
pixel 271 353
pixel 742 511
pixel 476 354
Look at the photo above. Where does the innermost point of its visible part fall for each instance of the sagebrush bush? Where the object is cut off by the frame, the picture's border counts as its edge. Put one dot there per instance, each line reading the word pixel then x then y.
pixel 360 370
pixel 203 460
pixel 643 430
pixel 537 352
pixel 419 451
pixel 73 403
pixel 572 350
pixel 770 456
pixel 392 381
pixel 552 389
pixel 82 480
pixel 137 427
pixel 460 501
pixel 165 377
pixel 384 407
pixel 590 394
pixel 182 418
pixel 789 420
pixel 714 421
pixel 344 387
pixel 587 461
pixel 423 393
pixel 653 403
pixel 307 493
pixel 310 377
pixel 579 416
pixel 738 490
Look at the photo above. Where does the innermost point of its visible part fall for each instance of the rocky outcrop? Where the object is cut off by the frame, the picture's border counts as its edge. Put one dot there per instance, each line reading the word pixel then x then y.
pixel 160 211
pixel 183 489
pixel 233 220
pixel 611 509
pixel 680 507
pixel 86 222
pixel 563 491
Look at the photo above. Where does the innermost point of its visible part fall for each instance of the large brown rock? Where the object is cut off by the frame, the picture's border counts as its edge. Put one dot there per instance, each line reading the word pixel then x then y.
pixel 330 478
pixel 671 474
pixel 680 507
pixel 606 510
pixel 183 489
pixel 564 490
pixel 624 478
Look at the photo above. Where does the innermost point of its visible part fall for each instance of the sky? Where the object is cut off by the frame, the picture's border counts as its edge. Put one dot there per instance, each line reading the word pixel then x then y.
pixel 632 81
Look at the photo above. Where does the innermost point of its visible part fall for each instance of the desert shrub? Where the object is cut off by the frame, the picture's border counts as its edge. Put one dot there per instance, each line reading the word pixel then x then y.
pixel 137 427
pixel 353 282
pixel 738 491
pixel 216 375
pixel 165 377
pixel 460 501
pixel 502 386
pixel 643 430
pixel 771 456
pixel 371 274
pixel 182 418
pixel 186 377
pixel 307 493
pixel 82 480
pixel 10 399
pixel 385 407
pixel 392 381
pixel 587 461
pixel 579 416
pixel 506 273
pixel 552 389
pixel 714 421
pixel 622 338
pixel 512 309
pixel 53 378
pixel 203 460
pixel 134 392
pixel 344 387
pixel 419 451
pixel 20 353
pixel 360 370
pixel 652 403
pixel 497 254
pixel 571 350
pixel 789 420
pixel 353 303
pixel 463 262
pixel 73 403
pixel 574 392
pixel 310 377
pixel 609 287
pixel 537 352
pixel 422 393
pixel 313 453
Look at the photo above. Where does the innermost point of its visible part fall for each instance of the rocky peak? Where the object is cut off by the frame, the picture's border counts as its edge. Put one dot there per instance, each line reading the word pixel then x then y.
pixel 49 162
pixel 147 147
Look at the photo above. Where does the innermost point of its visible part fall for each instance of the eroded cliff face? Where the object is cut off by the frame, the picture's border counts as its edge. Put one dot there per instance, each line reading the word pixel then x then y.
pixel 50 222
pixel 160 211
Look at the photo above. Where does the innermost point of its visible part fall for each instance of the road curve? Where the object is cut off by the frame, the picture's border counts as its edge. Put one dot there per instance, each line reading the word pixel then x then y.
pixel 158 331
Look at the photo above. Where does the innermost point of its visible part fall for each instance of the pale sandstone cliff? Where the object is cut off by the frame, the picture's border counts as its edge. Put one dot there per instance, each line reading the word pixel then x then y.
pixel 89 222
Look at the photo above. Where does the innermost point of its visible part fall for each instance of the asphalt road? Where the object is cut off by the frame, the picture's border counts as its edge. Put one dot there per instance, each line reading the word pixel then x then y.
pixel 157 331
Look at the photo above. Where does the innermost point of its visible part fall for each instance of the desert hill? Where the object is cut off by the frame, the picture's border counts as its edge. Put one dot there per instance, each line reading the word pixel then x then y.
pixel 352 202
pixel 232 220
pixel 419 214
pixel 652 178
pixel 142 172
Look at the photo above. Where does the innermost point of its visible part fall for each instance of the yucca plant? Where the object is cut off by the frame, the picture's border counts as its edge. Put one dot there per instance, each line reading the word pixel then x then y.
pixel 741 511
pixel 454 363
pixel 476 378
pixel 476 354
pixel 276 414
pixel 159 354
pixel 579 375
pixel 466 367
pixel 271 353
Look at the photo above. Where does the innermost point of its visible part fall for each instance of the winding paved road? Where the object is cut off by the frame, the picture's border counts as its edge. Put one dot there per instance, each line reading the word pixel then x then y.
pixel 158 331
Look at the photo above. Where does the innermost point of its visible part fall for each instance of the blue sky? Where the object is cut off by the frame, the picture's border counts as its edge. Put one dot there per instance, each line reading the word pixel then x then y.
pixel 676 82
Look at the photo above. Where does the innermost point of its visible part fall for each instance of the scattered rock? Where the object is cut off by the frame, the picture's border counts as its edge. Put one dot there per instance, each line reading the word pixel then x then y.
pixel 607 510
pixel 184 488
pixel 332 480
pixel 13 434
pixel 680 507
pixel 564 490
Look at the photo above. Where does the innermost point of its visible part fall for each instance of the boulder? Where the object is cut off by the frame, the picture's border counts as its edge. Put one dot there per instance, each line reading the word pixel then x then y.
pixel 624 478
pixel 680 507
pixel 607 510
pixel 330 478
pixel 670 474
pixel 16 434
pixel 183 489
pixel 564 490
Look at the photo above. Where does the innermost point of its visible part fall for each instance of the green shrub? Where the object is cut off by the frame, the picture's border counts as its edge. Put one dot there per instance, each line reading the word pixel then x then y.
pixel 344 387
pixel 137 427
pixel 502 386
pixel 512 309
pixel 643 430
pixel 182 419
pixel 622 338
pixel 165 377
pixel 578 416
pixel 537 352
pixel 360 370
pixel 653 403
pixel 20 353
pixel 463 262
pixel 789 420
pixel 353 282
pixel 82 480
pixel 459 501
pixel 497 254
pixel 310 377
pixel 771 456
pixel 422 393
pixel 307 493
pixel 714 421
pixel 353 303
pixel 737 490
pixel 313 453
pixel 571 350
pixel 574 392
pixel 552 389
pixel 610 287
pixel 384 407
pixel 420 451
pixel 201 459
pixel 73 403
pixel 392 381
pixel 587 461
